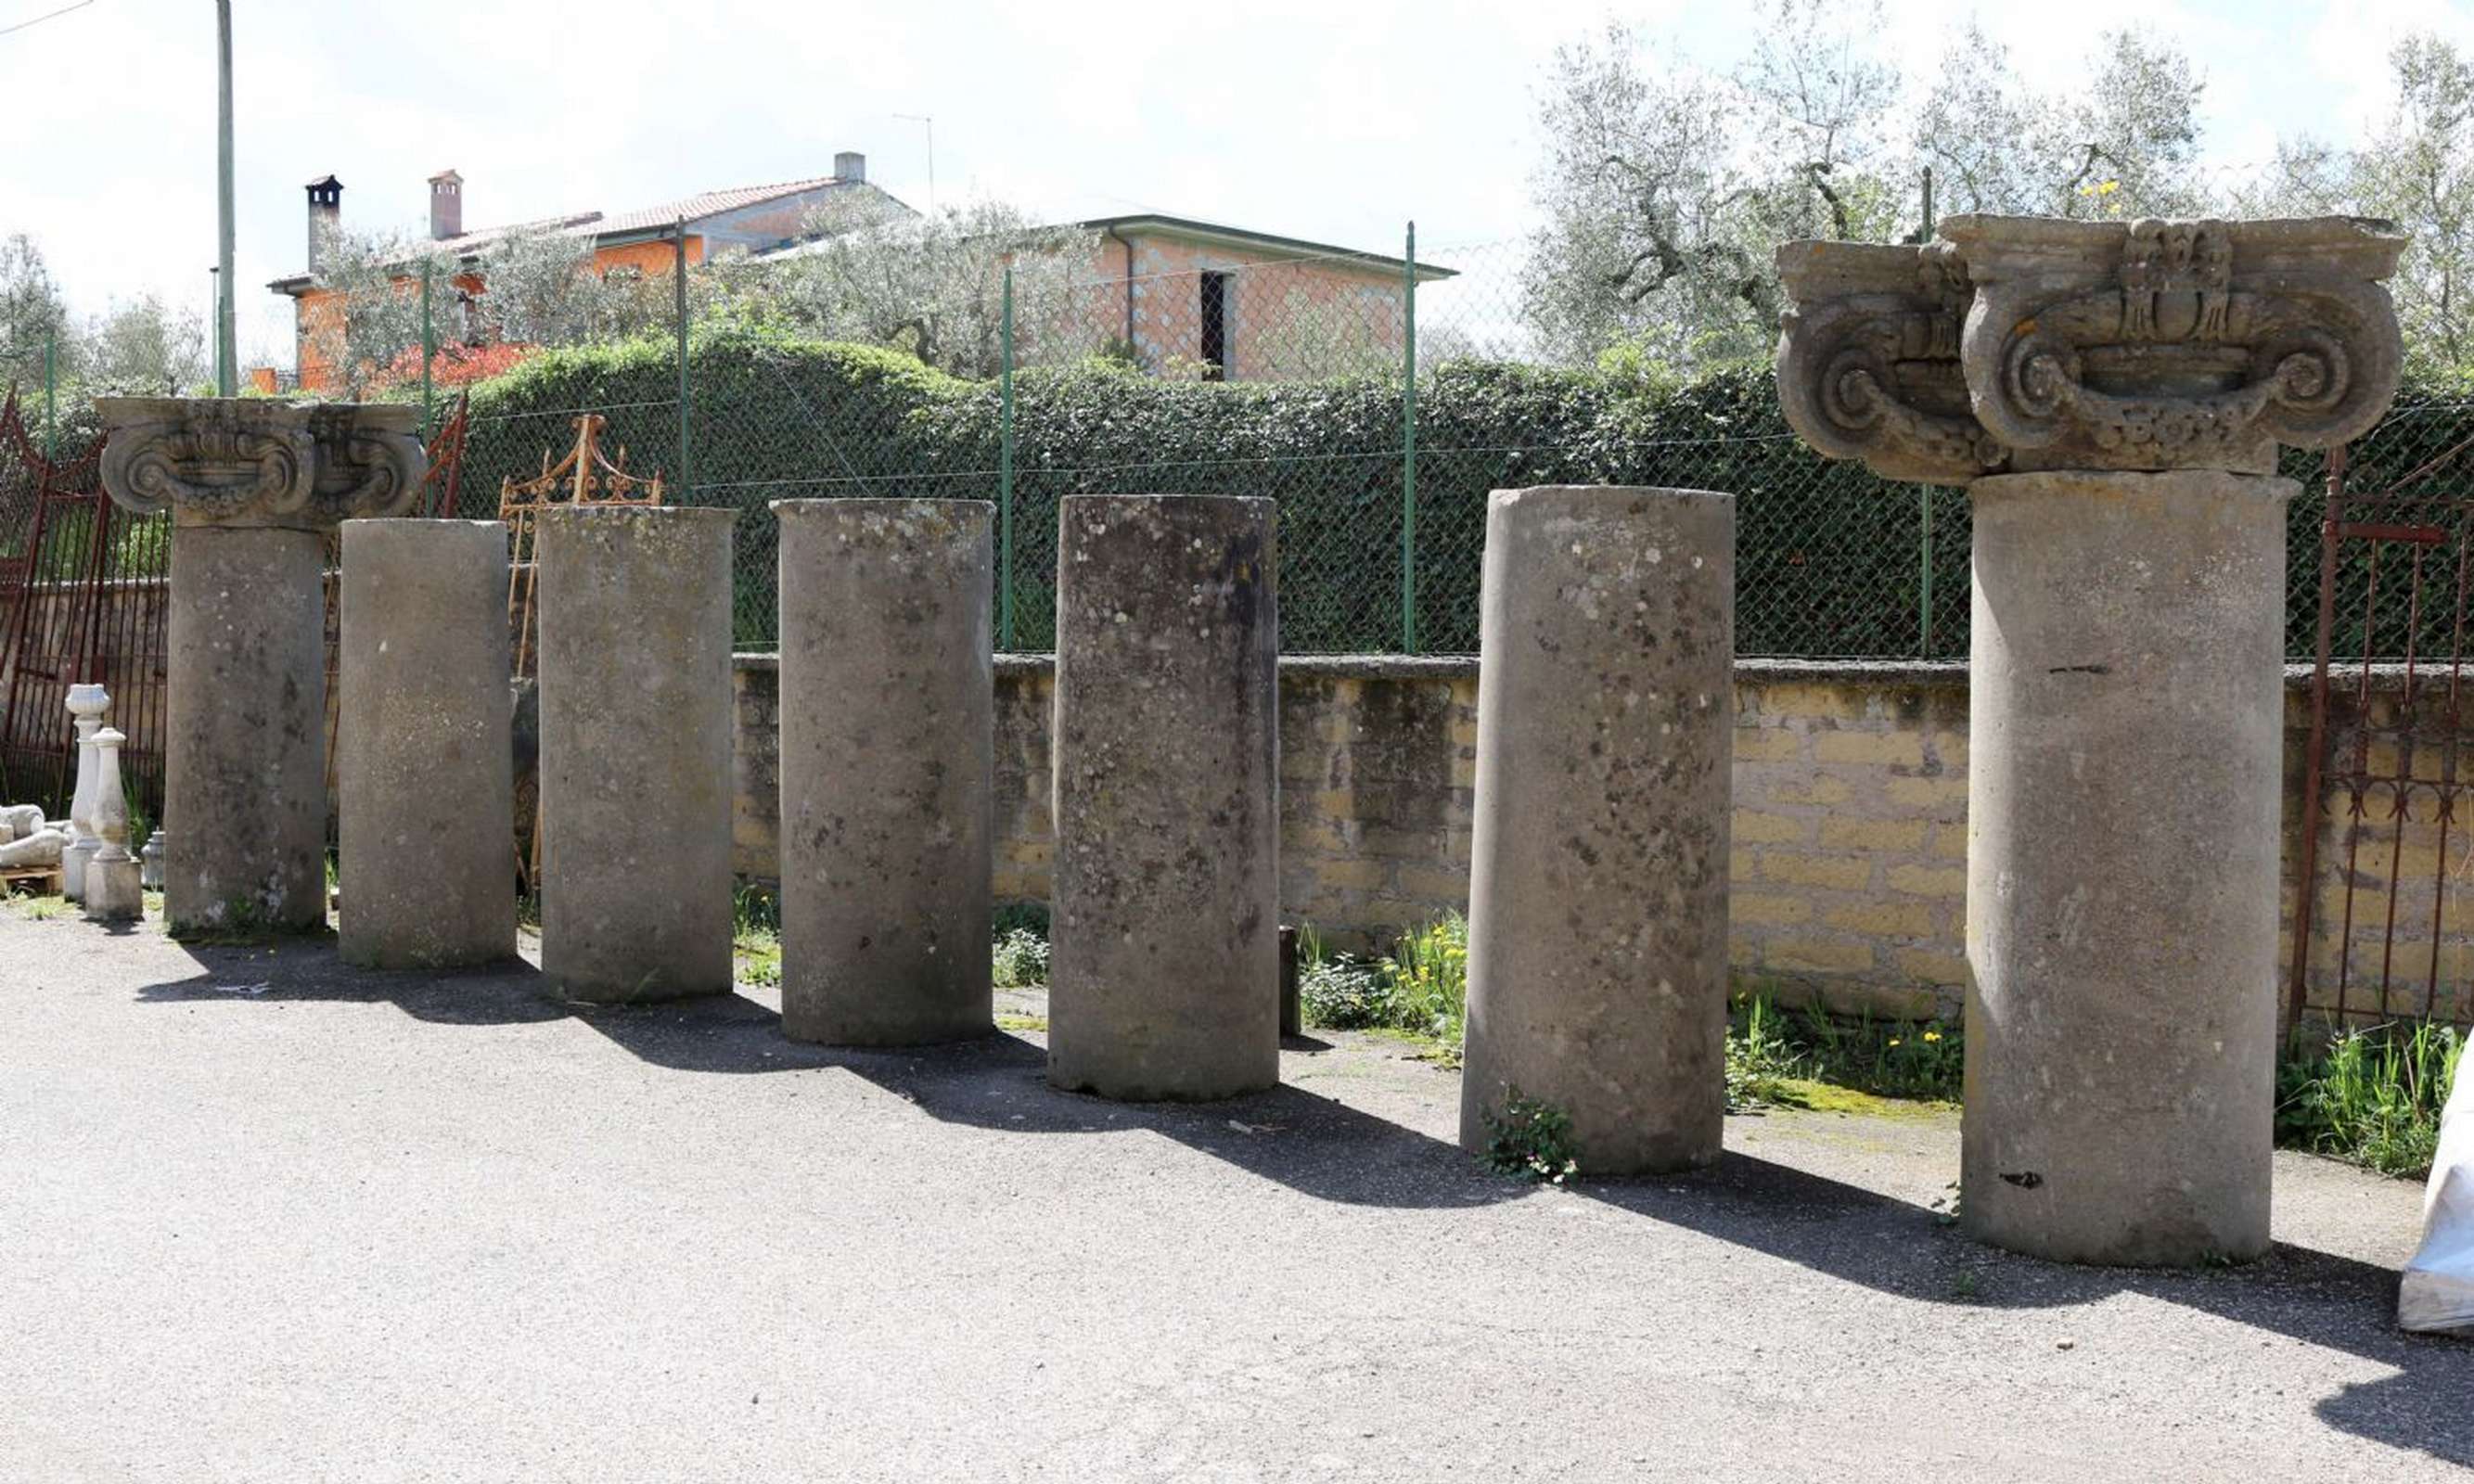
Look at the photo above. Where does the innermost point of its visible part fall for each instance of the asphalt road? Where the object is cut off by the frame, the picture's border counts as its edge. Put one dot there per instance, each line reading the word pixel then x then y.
pixel 266 1219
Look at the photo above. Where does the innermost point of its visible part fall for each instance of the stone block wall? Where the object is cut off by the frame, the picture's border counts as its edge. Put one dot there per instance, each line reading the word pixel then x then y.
pixel 1849 868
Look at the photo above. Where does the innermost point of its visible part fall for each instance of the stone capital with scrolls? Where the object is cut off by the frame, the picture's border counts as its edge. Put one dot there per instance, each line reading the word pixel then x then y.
pixel 246 462
pixel 2035 343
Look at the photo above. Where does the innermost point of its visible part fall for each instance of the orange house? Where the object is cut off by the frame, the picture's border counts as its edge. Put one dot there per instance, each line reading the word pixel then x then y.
pixel 750 217
pixel 1177 296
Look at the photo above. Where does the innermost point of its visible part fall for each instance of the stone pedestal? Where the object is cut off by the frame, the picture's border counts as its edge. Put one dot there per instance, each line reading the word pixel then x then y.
pixel 252 486
pixel 1164 973
pixel 246 730
pixel 86 704
pixel 888 761
pixel 635 608
pixel 1598 968
pixel 2124 766
pixel 112 893
pixel 423 766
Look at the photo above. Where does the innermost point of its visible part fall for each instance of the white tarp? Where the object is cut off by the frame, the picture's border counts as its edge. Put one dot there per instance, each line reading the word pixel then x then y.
pixel 2437 1293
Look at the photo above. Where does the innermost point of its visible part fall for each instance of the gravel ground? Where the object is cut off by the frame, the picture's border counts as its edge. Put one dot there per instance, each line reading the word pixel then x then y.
pixel 269 1219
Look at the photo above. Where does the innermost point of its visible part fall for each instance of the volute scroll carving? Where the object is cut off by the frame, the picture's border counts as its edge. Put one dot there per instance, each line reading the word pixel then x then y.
pixel 247 462
pixel 1869 360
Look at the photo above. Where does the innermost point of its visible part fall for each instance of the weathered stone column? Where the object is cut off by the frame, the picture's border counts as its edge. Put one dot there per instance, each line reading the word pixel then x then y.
pixel 887 766
pixel 2127 709
pixel 425 776
pixel 1164 973
pixel 86 704
pixel 635 611
pixel 2112 395
pixel 253 487
pixel 1597 970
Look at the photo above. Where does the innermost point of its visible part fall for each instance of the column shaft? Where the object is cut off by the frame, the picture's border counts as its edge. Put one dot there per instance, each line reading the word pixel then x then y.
pixel 1165 968
pixel 425 777
pixel 635 614
pixel 1597 973
pixel 887 759
pixel 2124 750
pixel 246 774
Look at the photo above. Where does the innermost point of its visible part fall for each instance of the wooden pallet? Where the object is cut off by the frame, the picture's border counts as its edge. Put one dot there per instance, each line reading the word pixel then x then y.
pixel 45 880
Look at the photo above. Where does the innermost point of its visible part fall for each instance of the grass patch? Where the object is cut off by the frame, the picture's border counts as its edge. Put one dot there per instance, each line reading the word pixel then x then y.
pixel 1014 1022
pixel 1418 990
pixel 1810 1058
pixel 2370 1095
pixel 756 936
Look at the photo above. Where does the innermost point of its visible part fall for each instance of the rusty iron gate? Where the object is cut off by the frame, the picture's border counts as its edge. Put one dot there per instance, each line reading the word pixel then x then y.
pixel 84 597
pixel 2383 920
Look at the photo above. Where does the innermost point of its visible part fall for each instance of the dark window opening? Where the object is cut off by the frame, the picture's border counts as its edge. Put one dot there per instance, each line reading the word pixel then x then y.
pixel 1215 326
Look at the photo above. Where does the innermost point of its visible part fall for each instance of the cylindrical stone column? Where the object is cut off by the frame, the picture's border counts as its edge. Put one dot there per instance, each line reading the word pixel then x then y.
pixel 1597 967
pixel 888 762
pixel 246 730
pixel 423 771
pixel 1164 972
pixel 635 608
pixel 2124 745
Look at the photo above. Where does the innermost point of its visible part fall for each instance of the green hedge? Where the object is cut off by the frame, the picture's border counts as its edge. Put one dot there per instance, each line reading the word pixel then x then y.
pixel 1829 559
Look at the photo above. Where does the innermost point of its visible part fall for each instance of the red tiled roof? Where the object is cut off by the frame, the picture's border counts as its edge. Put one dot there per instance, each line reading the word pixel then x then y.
pixel 704 204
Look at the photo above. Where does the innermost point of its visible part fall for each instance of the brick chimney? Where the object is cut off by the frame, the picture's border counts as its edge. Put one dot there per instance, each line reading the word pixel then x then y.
pixel 446 206
pixel 850 165
pixel 325 215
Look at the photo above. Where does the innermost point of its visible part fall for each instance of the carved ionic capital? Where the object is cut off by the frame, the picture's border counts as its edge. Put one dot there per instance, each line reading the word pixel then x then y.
pixel 1868 362
pixel 2176 344
pixel 2033 343
pixel 223 461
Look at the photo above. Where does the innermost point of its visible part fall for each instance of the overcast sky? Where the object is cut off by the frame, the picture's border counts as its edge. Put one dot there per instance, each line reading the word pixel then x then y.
pixel 1329 119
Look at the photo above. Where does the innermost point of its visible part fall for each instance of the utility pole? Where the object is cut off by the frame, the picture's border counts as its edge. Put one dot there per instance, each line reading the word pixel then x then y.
pixel 227 340
pixel 927 122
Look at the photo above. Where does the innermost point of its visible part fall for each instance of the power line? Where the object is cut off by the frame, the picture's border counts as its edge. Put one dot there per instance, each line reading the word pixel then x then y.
pixel 39 19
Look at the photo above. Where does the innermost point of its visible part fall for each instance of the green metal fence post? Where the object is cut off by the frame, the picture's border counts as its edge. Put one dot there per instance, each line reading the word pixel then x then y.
pixel 1925 492
pixel 1409 443
pixel 679 281
pixel 1005 472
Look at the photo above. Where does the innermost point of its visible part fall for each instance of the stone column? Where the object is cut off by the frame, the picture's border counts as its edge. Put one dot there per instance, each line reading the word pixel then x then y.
pixel 86 704
pixel 112 893
pixel 2113 394
pixel 887 765
pixel 245 766
pixel 1597 970
pixel 2126 698
pixel 252 486
pixel 1164 975
pixel 425 775
pixel 635 608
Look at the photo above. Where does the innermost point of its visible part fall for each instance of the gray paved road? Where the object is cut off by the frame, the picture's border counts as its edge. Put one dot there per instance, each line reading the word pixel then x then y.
pixel 267 1220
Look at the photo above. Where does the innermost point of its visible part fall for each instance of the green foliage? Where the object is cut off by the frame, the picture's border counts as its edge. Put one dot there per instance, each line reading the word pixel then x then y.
pixel 2370 1095
pixel 1343 992
pixel 1021 960
pixel 1420 988
pixel 1530 1138
pixel 755 934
